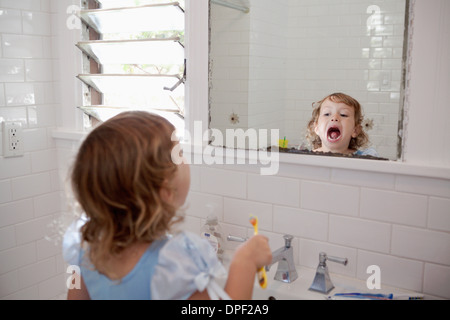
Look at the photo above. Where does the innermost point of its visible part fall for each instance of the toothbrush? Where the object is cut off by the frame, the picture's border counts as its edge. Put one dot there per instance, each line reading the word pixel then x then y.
pixel 262 276
pixel 379 296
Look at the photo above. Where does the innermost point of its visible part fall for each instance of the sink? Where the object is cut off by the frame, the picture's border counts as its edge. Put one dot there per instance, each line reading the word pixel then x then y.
pixel 298 290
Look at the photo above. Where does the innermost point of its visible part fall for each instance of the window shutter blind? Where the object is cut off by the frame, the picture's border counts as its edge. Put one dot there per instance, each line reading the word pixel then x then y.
pixel 134 58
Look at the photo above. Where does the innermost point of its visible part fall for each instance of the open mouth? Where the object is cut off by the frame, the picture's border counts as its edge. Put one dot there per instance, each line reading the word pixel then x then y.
pixel 334 134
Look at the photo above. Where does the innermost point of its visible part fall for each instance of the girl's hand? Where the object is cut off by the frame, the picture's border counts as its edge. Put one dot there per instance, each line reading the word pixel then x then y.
pixel 256 250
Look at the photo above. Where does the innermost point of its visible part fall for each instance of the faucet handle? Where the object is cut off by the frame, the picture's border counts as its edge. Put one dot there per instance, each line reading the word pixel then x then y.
pixel 287 240
pixel 323 258
pixel 236 239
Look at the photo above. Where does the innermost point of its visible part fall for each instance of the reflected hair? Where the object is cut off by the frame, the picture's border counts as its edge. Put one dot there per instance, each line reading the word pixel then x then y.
pixel 361 141
pixel 117 176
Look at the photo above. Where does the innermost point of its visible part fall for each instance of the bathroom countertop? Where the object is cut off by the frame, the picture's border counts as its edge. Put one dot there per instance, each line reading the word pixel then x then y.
pixel 298 290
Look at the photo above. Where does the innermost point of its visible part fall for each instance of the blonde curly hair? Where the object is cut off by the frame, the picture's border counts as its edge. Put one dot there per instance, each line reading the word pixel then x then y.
pixel 116 178
pixel 361 141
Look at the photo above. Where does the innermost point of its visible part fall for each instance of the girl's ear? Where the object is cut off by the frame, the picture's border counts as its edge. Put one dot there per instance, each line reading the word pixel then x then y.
pixel 356 131
pixel 316 128
pixel 166 193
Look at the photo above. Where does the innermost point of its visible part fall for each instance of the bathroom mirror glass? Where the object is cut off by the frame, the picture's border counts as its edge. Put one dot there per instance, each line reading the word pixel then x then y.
pixel 269 65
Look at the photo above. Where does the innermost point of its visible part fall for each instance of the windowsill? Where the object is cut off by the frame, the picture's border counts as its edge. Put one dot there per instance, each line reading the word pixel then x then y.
pixel 71 135
pixel 390 167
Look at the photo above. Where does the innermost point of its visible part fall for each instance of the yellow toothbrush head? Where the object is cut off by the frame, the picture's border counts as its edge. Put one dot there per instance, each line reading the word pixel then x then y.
pixel 254 222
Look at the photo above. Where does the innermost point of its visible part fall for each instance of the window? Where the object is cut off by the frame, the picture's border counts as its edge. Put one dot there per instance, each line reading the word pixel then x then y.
pixel 133 58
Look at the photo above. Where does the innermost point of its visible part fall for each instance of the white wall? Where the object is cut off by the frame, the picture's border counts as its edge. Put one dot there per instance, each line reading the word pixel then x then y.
pixel 399 221
pixel 426 139
pixel 30 265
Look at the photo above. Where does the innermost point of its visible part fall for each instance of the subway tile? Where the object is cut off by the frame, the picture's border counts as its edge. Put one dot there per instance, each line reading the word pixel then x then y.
pixel 46 6
pixel 5 191
pixel 42 116
pixel 2 95
pixel 331 198
pixel 31 185
pixel 304 172
pixel 35 139
pixel 7 238
pixel 53 287
pixel 14 114
pixel 439 214
pixel 436 280
pixel 31 293
pixel 190 224
pixel 39 70
pixel 14 167
pixel 48 47
pixel 33 230
pixel 300 223
pixel 428 186
pixel 21 4
pixel 238 212
pixel 403 208
pixel 46 204
pixel 16 212
pixel 9 283
pixel 201 205
pixel 360 233
pixel 21 94
pixel 223 182
pixel 426 245
pixel 10 21
pixel 395 271
pixel 12 70
pixel 363 178
pixel 22 46
pixel 36 23
pixel 17 257
pixel 44 160
pixel 271 189
pixel 37 272
pixel 309 251
pixel 48 247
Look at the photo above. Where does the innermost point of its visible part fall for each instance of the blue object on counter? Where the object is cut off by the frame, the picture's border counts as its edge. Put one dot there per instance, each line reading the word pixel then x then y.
pixel 371 296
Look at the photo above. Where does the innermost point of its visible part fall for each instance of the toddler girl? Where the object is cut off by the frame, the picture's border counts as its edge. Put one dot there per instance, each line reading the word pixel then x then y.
pixel 130 190
pixel 336 126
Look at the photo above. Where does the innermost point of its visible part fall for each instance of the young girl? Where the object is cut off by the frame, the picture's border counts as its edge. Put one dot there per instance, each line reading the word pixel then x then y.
pixel 336 126
pixel 130 190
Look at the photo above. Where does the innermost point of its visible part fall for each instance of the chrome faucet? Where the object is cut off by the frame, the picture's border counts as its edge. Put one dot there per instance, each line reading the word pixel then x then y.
pixel 322 282
pixel 286 271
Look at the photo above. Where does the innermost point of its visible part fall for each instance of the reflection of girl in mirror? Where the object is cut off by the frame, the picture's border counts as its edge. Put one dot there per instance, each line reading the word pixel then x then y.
pixel 336 126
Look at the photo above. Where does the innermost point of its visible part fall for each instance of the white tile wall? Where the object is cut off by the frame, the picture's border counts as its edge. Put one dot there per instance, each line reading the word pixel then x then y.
pixel 398 222
pixel 29 192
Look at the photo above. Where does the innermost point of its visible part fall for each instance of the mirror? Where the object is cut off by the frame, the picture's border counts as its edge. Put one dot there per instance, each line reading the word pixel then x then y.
pixel 268 66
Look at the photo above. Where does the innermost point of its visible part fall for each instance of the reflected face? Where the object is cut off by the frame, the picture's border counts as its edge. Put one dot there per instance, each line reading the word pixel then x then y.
pixel 336 126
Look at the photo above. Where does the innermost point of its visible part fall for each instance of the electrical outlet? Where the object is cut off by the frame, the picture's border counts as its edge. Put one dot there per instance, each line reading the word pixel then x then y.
pixel 12 139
